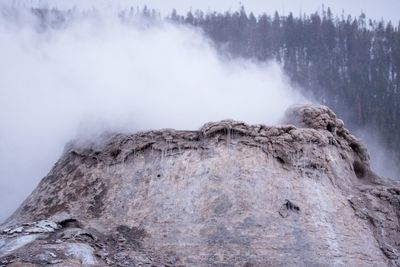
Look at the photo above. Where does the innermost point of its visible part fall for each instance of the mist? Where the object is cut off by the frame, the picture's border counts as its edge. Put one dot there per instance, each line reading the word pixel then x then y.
pixel 98 74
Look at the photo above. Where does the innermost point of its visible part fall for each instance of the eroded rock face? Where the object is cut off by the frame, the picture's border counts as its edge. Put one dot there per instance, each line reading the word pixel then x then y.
pixel 229 194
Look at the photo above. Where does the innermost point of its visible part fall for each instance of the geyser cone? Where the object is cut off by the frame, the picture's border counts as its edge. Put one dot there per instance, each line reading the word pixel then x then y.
pixel 228 194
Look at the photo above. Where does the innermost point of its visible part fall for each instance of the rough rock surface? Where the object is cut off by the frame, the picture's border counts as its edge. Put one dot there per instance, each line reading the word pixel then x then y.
pixel 230 194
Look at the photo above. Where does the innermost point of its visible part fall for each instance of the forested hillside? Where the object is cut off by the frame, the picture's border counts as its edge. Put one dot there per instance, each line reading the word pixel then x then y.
pixel 350 64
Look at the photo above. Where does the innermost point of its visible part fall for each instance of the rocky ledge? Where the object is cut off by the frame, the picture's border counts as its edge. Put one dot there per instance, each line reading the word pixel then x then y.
pixel 229 194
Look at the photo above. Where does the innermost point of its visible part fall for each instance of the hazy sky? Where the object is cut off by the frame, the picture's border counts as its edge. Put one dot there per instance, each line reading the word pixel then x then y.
pixel 376 9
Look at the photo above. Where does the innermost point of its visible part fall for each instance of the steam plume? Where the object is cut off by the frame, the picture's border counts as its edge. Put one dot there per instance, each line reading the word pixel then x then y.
pixel 97 74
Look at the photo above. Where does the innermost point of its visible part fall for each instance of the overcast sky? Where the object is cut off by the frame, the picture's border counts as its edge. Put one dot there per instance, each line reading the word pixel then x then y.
pixel 376 9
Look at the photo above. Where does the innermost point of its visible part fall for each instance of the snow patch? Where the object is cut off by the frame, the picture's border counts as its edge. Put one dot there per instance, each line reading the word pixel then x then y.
pixel 9 245
pixel 82 252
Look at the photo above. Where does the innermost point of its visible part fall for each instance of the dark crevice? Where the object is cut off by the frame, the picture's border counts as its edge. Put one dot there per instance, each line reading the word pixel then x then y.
pixel 287 208
pixel 280 160
pixel 290 206
pixel 115 152
pixel 359 169
pixel 70 223
pixel 330 127
pixel 356 148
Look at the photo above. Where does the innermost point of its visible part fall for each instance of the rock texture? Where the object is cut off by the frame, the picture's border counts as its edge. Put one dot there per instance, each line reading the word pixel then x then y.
pixel 229 194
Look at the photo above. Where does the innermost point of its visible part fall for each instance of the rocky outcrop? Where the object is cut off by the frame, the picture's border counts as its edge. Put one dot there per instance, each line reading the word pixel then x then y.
pixel 229 194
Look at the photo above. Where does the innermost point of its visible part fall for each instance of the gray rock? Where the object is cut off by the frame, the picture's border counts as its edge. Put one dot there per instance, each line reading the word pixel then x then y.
pixel 229 194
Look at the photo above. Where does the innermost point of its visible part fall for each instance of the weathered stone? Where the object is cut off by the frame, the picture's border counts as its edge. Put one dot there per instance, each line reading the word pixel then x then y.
pixel 230 194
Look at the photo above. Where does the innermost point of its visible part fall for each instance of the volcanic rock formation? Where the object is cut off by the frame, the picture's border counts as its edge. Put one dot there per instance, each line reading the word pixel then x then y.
pixel 229 194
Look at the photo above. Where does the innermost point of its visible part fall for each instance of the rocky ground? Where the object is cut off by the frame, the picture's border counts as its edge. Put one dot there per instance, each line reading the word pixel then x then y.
pixel 229 194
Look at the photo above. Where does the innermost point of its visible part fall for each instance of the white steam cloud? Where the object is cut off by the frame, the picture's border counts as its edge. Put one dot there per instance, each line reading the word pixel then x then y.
pixel 100 74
